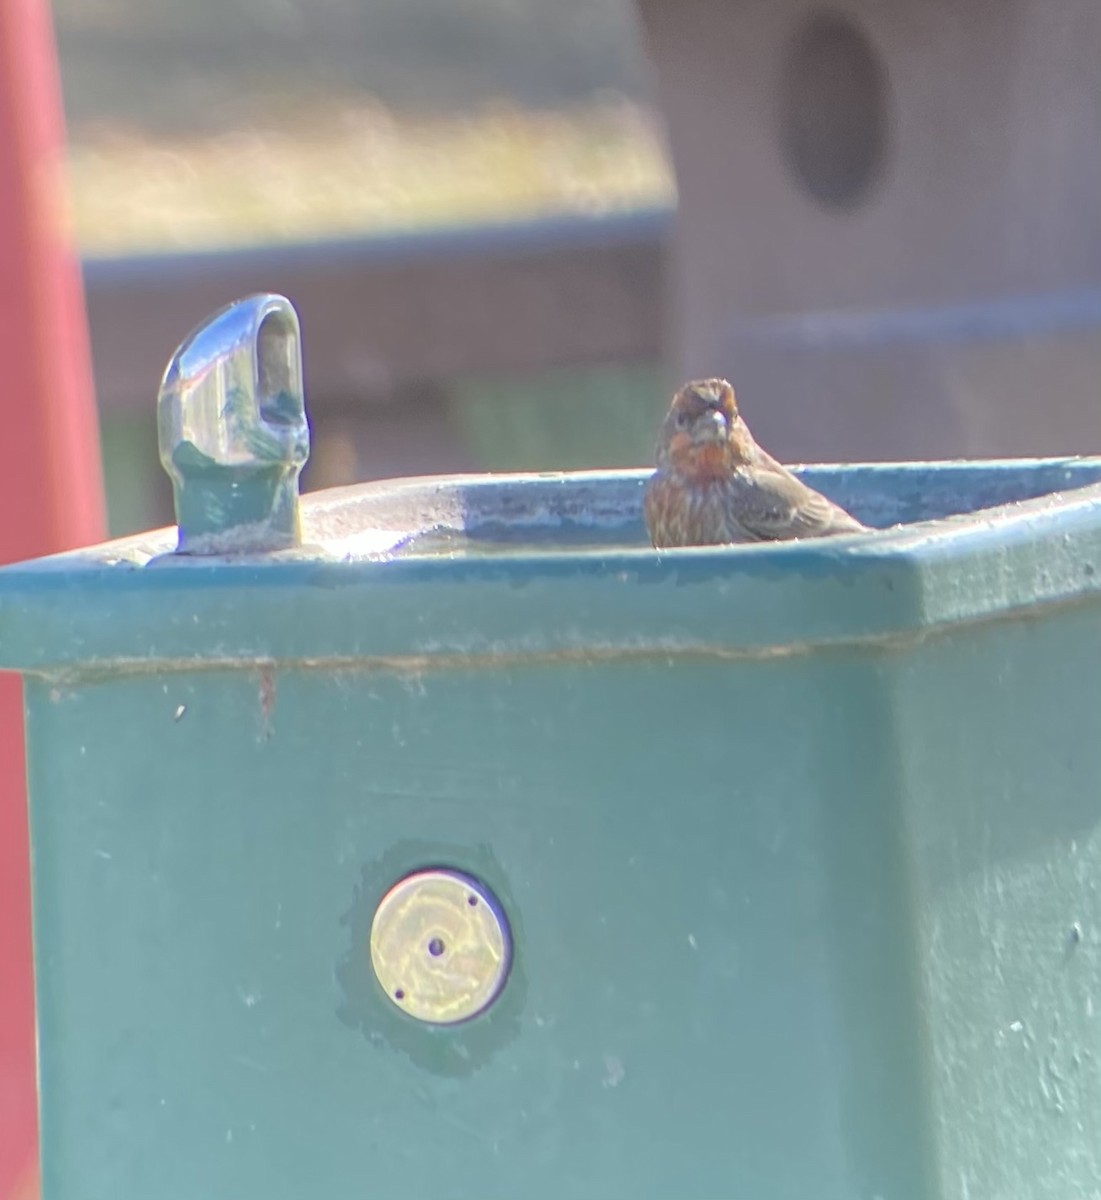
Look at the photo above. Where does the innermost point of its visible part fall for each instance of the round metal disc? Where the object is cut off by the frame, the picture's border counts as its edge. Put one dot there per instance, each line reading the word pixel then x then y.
pixel 440 946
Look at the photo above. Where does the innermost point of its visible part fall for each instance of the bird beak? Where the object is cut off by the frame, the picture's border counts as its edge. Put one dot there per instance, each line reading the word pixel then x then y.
pixel 712 428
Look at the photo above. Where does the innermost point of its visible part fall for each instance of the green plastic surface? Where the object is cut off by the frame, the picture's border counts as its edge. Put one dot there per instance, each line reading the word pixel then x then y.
pixel 799 845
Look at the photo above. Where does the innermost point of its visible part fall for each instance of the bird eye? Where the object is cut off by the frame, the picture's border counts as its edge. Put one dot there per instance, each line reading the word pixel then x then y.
pixel 681 419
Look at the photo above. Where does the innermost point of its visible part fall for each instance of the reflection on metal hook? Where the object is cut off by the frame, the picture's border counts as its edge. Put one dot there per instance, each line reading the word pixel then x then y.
pixel 231 419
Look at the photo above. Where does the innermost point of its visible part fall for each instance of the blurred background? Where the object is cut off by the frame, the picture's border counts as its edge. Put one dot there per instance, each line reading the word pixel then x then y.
pixel 887 235
pixel 214 144
pixel 887 228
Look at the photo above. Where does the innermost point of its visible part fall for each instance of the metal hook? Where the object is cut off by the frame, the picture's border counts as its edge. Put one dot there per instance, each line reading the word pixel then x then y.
pixel 231 419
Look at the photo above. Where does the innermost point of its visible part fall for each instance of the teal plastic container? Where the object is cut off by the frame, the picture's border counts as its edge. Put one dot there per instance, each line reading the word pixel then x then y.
pixel 798 847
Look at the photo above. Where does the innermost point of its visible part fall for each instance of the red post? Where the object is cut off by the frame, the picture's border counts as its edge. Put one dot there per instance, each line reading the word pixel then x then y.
pixel 51 494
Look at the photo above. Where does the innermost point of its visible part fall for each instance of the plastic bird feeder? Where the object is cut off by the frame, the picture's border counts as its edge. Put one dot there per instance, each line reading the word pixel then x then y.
pixel 441 839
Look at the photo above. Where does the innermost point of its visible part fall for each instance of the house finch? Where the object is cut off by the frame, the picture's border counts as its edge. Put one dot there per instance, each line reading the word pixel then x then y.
pixel 714 484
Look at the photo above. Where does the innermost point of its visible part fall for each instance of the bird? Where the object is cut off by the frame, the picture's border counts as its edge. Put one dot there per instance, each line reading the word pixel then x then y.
pixel 714 485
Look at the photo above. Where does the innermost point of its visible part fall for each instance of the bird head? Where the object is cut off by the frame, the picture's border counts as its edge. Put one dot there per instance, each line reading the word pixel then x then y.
pixel 703 435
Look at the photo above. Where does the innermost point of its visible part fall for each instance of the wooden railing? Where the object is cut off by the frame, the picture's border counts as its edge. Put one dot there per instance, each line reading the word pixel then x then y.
pixel 381 313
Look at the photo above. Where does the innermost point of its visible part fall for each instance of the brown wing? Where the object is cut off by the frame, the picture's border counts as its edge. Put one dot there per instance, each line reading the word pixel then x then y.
pixel 772 505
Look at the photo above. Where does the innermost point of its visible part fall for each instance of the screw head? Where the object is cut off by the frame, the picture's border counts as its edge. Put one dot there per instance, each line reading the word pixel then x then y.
pixel 440 946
